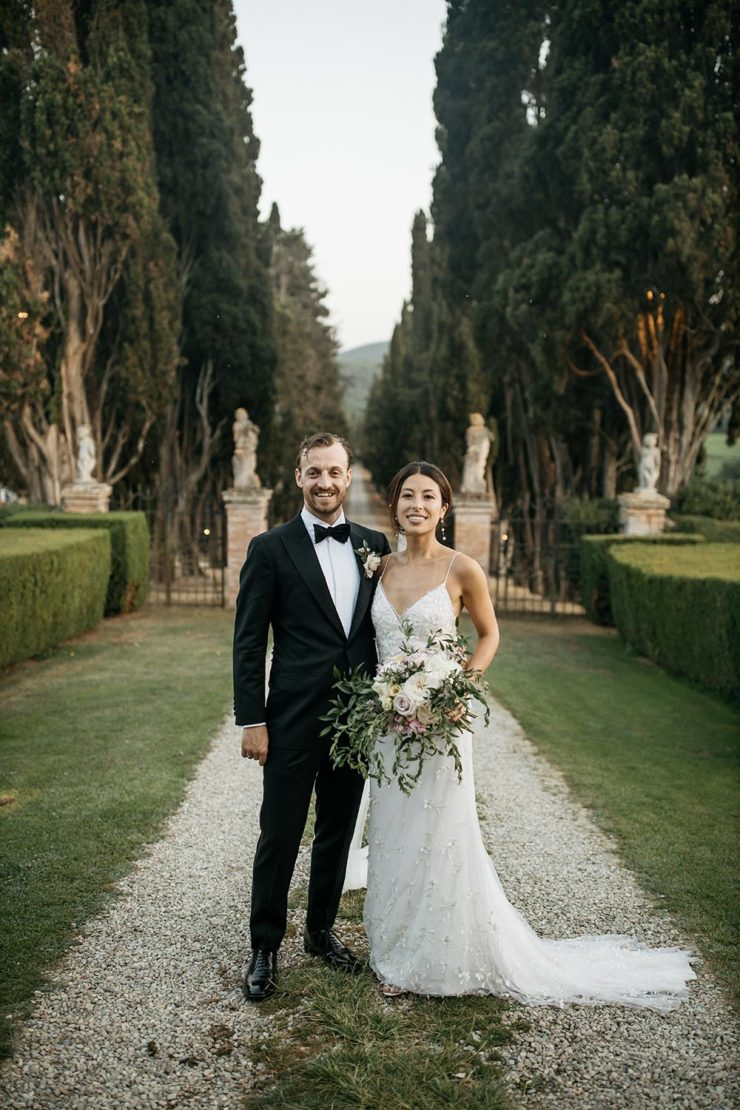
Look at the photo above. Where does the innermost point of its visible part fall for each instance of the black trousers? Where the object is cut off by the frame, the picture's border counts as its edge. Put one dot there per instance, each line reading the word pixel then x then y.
pixel 289 778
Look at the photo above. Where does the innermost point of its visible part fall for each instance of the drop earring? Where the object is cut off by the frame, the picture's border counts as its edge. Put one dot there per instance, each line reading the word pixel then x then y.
pixel 443 530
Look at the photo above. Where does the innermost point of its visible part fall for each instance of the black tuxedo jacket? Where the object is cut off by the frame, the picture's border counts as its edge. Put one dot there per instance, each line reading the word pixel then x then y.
pixel 282 585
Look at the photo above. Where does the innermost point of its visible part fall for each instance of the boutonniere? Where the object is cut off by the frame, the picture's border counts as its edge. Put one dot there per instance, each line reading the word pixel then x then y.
pixel 370 559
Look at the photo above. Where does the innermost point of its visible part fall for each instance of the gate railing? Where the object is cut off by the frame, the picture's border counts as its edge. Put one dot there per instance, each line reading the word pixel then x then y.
pixel 535 561
pixel 187 555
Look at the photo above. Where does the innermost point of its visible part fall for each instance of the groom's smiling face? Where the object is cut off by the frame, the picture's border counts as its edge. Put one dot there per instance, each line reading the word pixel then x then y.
pixel 324 477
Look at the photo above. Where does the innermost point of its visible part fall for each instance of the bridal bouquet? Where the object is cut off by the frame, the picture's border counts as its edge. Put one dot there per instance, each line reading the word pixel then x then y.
pixel 421 698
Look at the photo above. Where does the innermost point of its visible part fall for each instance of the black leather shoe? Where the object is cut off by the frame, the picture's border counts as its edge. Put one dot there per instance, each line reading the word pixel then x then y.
pixel 326 945
pixel 261 978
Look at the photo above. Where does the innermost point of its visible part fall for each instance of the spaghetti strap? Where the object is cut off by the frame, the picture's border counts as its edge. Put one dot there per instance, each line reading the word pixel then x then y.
pixel 385 568
pixel 449 568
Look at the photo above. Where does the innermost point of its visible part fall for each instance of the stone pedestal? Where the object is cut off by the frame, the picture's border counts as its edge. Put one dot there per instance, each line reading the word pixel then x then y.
pixel 246 517
pixel 642 514
pixel 473 517
pixel 86 497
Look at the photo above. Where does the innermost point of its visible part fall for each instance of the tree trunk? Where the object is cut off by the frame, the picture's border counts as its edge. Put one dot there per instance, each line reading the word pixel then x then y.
pixel 672 387
pixel 188 447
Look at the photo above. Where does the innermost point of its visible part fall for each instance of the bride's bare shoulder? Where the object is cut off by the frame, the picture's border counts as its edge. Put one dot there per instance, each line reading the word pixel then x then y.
pixel 383 564
pixel 467 570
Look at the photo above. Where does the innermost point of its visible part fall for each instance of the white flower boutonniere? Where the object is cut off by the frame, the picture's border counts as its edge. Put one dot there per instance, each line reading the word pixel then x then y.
pixel 370 559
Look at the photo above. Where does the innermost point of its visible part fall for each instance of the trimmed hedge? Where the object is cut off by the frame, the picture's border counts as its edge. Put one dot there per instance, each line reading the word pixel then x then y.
pixel 15 507
pixel 52 586
pixel 594 578
pixel 681 608
pixel 129 542
pixel 714 531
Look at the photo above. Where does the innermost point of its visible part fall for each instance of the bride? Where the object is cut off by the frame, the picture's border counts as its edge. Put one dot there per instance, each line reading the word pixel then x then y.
pixel 436 916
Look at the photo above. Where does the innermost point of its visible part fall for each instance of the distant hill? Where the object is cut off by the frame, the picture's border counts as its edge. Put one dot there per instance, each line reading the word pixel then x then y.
pixel 358 367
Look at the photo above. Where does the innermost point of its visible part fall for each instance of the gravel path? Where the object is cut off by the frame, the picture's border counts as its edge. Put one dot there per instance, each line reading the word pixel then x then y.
pixel 147 1008
pixel 566 878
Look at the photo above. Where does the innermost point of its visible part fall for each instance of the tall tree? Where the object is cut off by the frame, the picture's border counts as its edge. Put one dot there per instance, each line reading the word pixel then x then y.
pixel 83 203
pixel 385 441
pixel 585 218
pixel 631 274
pixel 308 385
pixel 490 102
pixel 209 187
pixel 431 378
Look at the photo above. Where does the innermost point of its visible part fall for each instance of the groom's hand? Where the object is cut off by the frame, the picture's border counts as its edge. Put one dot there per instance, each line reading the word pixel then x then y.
pixel 255 743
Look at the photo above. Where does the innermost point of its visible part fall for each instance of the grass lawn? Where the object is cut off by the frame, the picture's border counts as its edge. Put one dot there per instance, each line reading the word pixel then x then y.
pixel 653 757
pixel 97 744
pixel 341 1044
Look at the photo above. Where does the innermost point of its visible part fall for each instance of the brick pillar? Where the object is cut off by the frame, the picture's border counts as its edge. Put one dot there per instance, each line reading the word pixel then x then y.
pixel 246 516
pixel 473 517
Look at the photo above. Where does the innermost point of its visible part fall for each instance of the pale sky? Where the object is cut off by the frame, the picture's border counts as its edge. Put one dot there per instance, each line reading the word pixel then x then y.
pixel 343 110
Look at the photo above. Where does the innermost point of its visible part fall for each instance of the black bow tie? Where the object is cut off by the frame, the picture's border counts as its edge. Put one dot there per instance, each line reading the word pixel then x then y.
pixel 340 533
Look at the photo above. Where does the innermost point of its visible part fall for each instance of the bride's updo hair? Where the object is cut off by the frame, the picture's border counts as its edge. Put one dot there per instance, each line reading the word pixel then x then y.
pixel 429 470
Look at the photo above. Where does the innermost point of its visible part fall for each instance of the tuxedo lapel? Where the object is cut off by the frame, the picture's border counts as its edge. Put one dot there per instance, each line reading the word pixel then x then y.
pixel 365 593
pixel 298 544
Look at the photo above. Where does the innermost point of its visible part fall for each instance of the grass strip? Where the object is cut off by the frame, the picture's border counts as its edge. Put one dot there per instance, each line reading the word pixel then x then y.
pixel 341 1044
pixel 653 757
pixel 97 744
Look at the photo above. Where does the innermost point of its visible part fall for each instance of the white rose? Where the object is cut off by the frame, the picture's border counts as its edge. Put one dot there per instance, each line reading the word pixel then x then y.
pixel 438 668
pixel 382 689
pixel 416 687
pixel 371 564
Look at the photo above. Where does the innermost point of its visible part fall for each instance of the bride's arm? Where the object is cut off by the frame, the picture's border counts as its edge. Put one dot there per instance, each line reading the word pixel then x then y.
pixel 476 598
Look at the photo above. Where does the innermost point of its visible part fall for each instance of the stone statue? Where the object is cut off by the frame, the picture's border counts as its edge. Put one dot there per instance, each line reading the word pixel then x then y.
pixel 648 470
pixel 478 443
pixel 244 460
pixel 85 454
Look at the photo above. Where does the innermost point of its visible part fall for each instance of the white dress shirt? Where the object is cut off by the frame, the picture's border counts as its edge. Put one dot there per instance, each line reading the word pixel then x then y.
pixel 339 566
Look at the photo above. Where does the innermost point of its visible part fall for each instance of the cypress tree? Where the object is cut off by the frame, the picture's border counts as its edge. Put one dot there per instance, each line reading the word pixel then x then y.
pixel 308 386
pixel 630 277
pixel 83 201
pixel 585 216
pixel 209 187
pixel 400 417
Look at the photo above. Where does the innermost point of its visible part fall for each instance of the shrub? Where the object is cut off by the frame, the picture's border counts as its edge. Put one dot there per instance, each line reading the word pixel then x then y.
pixel 14 507
pixel 129 535
pixel 594 572
pixel 53 585
pixel 713 497
pixel 714 531
pixel 730 469
pixel 681 607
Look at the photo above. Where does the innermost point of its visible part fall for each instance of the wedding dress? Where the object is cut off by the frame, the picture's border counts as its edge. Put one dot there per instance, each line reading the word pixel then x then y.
pixel 355 876
pixel 436 916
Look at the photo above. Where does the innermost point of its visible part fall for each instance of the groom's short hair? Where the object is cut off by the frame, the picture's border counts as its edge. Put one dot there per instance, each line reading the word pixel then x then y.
pixel 322 439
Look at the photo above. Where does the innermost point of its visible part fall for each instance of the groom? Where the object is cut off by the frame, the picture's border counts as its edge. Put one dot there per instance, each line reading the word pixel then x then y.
pixel 306 580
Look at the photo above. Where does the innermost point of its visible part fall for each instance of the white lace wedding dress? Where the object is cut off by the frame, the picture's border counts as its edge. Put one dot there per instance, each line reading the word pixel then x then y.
pixel 436 916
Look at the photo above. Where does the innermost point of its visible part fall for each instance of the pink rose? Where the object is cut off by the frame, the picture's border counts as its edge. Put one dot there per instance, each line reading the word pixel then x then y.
pixel 402 705
pixel 416 726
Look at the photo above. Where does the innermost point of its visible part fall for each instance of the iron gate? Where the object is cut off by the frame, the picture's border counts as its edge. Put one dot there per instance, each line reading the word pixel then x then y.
pixel 535 560
pixel 187 555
